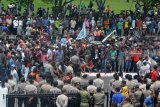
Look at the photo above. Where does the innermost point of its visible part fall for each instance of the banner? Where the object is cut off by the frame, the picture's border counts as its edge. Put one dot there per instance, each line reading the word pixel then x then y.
pixel 83 33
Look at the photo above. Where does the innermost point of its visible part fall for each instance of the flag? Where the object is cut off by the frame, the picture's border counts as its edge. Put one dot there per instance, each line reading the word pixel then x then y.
pixel 82 33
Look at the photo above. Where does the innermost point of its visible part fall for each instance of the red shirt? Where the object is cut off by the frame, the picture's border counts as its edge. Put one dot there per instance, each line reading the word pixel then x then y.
pixel 154 75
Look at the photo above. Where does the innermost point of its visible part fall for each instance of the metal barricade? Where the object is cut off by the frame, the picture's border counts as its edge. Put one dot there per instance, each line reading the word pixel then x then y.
pixel 16 100
pixel 21 100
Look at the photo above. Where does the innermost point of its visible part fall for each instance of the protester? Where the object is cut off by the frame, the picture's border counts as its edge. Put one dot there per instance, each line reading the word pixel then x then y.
pixel 50 54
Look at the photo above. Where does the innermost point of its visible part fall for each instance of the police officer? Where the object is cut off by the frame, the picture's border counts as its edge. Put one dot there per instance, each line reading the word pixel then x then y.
pixel 13 84
pixel 99 98
pixel 138 94
pixel 45 89
pixel 55 89
pixel 76 79
pixel 91 88
pixel 98 82
pixel 20 89
pixel 31 89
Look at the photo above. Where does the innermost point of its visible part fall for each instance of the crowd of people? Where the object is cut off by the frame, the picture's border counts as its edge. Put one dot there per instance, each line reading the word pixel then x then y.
pixel 46 57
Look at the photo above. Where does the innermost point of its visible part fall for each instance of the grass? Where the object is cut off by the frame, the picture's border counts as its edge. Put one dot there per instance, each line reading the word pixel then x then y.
pixel 115 5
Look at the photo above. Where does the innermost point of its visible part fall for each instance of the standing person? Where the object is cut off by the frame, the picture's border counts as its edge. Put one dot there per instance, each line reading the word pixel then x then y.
pixel 154 73
pixel 31 89
pixel 117 98
pixel 3 92
pixel 45 88
pixel 97 34
pixel 19 67
pixel 55 89
pixel 158 28
pixel 146 92
pixel 20 89
pixel 138 94
pixel 145 69
pixel 125 90
pixel 15 25
pixel 120 27
pixel 19 31
pixel 91 88
pixel 85 97
pixel 75 61
pixel 99 98
pixel 28 31
pixel 98 82
pixel 128 61
pixel 84 81
pixel 3 62
pixel 113 58
pixel 59 56
pixel 139 63
pixel 87 26
pixel 76 79
pixel 121 59
pixel 12 83
pixel 35 74
pixel 14 73
pixel 148 102
pixel 93 23
pixel 50 69
pixel 62 100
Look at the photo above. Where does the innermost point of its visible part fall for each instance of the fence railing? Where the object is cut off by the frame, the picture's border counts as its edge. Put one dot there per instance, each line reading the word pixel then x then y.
pixel 44 100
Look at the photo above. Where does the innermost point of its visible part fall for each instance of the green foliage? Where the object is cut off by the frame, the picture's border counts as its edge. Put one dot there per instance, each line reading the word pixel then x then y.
pixel 148 4
pixel 23 3
pixel 100 4
pixel 58 5
pixel 115 5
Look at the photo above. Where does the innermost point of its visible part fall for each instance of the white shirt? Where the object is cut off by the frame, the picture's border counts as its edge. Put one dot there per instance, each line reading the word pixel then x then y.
pixel 15 75
pixel 98 83
pixel 93 22
pixel 73 23
pixel 15 23
pixel 20 22
pixel 62 101
pixel 49 54
pixel 3 92
pixel 144 70
pixel 159 24
pixel 133 23
pixel 139 64
pixel 69 69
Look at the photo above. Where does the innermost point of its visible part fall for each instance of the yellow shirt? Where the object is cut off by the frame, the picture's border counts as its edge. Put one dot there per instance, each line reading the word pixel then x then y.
pixel 126 25
pixel 125 92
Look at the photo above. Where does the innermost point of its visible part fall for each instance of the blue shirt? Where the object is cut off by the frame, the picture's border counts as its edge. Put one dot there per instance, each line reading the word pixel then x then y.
pixel 121 55
pixel 117 98
pixel 148 101
pixel 4 28
pixel 63 41
pixel 59 56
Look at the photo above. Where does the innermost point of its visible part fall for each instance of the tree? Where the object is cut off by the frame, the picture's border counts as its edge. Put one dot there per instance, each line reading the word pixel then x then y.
pixel 148 4
pixel 22 3
pixel 58 5
pixel 100 5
